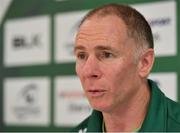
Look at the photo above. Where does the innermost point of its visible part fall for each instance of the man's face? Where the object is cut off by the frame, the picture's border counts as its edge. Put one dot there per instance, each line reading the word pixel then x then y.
pixel 105 62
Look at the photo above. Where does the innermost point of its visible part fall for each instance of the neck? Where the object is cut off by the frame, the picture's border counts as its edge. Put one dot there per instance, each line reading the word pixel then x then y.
pixel 130 115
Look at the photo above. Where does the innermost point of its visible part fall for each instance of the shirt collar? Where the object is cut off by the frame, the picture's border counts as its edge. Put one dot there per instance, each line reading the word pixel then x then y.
pixel 155 119
pixel 95 122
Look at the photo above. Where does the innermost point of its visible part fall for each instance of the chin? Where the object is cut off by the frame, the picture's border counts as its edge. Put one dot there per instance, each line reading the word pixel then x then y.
pixel 100 107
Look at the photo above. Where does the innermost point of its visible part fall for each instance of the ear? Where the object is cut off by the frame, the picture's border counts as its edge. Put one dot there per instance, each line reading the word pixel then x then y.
pixel 146 62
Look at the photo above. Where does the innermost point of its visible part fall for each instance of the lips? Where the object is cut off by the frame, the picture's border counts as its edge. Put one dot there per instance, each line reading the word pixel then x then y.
pixel 96 92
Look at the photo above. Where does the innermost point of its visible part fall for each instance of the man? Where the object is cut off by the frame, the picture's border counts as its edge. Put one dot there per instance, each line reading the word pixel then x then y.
pixel 114 55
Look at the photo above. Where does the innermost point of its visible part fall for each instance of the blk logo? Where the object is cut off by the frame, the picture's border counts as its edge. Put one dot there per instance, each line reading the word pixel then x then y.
pixel 20 42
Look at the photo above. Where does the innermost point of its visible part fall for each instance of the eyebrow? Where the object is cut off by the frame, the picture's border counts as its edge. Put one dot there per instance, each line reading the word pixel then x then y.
pixel 78 48
pixel 96 48
pixel 104 48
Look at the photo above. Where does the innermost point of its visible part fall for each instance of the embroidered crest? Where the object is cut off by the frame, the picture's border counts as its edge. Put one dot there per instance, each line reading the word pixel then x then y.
pixel 83 130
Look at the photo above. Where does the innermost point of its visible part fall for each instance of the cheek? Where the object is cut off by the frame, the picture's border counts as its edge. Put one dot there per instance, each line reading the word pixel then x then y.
pixel 113 72
pixel 114 76
pixel 115 80
pixel 120 74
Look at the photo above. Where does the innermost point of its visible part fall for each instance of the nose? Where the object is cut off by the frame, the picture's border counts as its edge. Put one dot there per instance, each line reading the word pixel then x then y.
pixel 91 68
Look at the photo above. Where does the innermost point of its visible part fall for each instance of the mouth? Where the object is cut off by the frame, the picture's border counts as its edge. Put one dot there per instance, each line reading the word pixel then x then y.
pixel 96 93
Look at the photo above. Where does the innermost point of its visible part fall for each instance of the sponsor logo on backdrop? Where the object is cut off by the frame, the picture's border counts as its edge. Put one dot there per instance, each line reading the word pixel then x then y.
pixel 20 42
pixel 71 105
pixel 159 22
pixel 162 18
pixel 167 82
pixel 75 95
pixel 27 41
pixel 66 26
pixel 26 101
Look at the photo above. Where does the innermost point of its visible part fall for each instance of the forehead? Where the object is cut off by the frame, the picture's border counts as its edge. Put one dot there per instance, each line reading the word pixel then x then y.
pixel 102 29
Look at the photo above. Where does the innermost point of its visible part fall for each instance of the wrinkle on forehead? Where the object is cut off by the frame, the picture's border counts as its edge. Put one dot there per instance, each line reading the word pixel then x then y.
pixel 110 23
pixel 102 28
pixel 87 36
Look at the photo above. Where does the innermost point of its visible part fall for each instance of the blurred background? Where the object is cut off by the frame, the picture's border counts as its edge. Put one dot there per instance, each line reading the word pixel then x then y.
pixel 39 89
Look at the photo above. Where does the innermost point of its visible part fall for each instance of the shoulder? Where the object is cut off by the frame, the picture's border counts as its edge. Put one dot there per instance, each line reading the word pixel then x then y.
pixel 173 109
pixel 82 127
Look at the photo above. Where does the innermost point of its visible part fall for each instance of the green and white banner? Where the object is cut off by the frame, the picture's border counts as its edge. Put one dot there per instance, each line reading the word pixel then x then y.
pixel 39 89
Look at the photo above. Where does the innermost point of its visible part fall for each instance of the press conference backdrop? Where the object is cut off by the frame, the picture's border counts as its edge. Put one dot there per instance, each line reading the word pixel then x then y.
pixel 39 89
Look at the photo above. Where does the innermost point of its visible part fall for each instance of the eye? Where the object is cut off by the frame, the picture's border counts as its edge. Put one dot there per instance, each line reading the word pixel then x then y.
pixel 81 56
pixel 105 54
pixel 108 55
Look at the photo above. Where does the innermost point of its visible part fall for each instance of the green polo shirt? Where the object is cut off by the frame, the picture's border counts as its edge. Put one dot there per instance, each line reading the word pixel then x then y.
pixel 163 115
